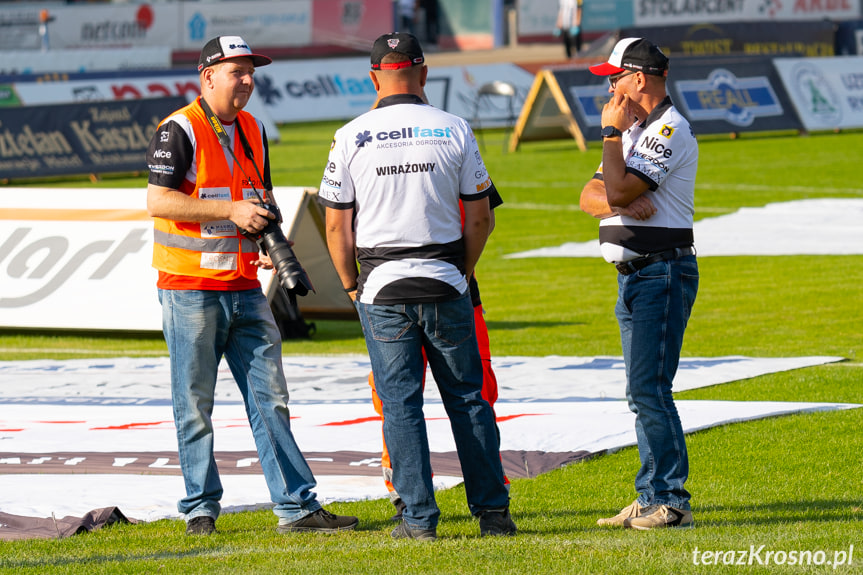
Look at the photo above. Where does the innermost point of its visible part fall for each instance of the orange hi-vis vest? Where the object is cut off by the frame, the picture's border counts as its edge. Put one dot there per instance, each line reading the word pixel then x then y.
pixel 209 253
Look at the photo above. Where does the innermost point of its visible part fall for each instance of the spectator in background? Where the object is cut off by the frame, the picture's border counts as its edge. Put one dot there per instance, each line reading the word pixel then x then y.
pixel 430 8
pixel 569 25
pixel 407 15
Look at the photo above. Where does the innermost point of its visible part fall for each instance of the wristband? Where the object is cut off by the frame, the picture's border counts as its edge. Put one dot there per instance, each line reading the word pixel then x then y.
pixel 349 290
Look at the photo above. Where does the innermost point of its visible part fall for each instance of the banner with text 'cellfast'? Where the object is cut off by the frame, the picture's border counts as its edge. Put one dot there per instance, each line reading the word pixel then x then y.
pixel 85 138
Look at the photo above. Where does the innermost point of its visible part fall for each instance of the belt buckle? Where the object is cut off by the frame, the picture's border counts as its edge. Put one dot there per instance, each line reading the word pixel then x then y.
pixel 626 268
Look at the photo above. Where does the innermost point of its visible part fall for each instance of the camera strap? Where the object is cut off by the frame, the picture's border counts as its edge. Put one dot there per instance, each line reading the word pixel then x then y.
pixel 225 140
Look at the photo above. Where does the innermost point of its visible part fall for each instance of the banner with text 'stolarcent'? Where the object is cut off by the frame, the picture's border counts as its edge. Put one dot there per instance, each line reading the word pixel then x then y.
pixel 83 138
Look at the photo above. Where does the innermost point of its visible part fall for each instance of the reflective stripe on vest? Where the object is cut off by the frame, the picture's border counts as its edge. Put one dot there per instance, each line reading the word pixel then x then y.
pixel 214 250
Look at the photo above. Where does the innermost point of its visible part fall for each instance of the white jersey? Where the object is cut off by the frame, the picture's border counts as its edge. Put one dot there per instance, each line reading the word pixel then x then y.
pixel 663 152
pixel 567 13
pixel 403 167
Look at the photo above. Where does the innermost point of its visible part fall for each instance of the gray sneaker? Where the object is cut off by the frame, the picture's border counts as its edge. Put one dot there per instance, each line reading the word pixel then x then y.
pixel 405 531
pixel 632 510
pixel 660 516
pixel 201 525
pixel 496 522
pixel 320 521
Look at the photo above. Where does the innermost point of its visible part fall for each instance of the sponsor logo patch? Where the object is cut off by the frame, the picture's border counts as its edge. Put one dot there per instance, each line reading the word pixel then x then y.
pixel 214 261
pixel 363 138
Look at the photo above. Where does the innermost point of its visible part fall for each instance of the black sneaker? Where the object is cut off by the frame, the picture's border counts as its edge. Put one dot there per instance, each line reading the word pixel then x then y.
pixel 405 531
pixel 496 522
pixel 321 521
pixel 201 525
pixel 400 509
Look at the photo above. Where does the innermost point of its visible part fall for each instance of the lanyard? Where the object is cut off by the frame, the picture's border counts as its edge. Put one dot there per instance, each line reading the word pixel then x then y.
pixel 225 140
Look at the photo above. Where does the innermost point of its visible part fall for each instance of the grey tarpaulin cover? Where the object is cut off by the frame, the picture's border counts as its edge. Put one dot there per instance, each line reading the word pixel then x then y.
pixel 14 527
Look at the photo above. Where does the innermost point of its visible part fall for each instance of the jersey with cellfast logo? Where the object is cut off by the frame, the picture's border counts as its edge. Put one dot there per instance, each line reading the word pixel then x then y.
pixel 403 167
pixel 210 255
pixel 663 152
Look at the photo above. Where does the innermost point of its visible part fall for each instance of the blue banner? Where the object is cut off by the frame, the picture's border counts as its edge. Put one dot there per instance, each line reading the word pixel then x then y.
pixel 716 95
pixel 82 138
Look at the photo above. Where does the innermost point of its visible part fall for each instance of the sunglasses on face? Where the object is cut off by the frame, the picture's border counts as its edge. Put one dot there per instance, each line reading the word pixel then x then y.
pixel 612 80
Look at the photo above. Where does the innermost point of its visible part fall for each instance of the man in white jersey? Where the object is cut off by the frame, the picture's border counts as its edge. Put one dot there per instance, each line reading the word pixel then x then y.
pixel 643 193
pixel 391 188
pixel 568 25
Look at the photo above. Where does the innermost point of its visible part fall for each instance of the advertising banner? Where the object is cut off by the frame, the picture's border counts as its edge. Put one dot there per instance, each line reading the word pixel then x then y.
pixel 539 17
pixel 717 95
pixel 827 93
pixel 286 91
pixel 671 12
pixel 804 39
pixel 354 23
pixel 99 137
pixel 260 22
pixel 14 62
pixel 111 25
pixel 186 26
pixel 94 87
pixel 732 95
pixel 849 38
pixel 82 259
pixel 340 89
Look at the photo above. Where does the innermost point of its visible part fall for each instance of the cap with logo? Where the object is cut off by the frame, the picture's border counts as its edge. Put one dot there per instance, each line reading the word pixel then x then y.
pixel 398 42
pixel 635 54
pixel 224 48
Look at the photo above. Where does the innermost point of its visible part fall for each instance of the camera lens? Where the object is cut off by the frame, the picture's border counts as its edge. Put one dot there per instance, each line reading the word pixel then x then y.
pixel 291 274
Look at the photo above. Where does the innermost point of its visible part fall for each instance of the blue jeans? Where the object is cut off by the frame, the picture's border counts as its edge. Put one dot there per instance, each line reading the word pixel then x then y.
pixel 653 307
pixel 200 327
pixel 395 337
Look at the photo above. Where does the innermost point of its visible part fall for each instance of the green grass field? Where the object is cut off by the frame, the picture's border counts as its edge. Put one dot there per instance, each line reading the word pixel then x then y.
pixel 783 485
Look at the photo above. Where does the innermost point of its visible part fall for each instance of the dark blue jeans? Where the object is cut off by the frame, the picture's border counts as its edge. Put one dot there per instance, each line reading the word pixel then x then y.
pixel 653 307
pixel 395 337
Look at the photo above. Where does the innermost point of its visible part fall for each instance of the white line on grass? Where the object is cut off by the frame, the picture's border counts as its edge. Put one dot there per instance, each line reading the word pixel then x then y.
pixel 704 186
pixel 91 352
pixel 765 188
pixel 575 208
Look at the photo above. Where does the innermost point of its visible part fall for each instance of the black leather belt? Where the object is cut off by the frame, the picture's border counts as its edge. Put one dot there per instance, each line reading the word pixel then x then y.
pixel 633 266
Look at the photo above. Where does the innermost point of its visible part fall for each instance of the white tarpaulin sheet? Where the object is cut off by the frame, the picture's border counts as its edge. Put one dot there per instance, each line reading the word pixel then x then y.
pixel 801 227
pixel 120 408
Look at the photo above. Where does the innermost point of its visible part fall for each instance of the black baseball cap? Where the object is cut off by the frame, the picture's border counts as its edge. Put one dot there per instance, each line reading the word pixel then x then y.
pixel 224 48
pixel 400 43
pixel 636 54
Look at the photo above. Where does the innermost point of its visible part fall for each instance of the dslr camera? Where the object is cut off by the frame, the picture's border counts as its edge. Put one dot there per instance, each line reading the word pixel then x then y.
pixel 272 242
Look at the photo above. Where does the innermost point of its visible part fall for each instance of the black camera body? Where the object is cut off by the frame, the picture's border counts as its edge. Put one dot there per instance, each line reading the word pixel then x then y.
pixel 272 242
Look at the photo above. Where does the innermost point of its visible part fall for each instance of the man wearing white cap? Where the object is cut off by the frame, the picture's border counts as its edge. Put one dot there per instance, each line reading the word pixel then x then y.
pixel 201 194
pixel 643 193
